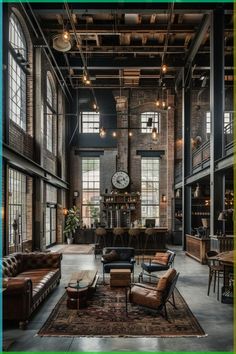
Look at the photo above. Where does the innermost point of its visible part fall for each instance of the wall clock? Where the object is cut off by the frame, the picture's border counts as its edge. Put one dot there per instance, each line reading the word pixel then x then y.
pixel 120 180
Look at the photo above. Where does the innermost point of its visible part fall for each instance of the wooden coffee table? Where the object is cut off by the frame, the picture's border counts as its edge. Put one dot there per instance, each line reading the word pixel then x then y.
pixel 81 286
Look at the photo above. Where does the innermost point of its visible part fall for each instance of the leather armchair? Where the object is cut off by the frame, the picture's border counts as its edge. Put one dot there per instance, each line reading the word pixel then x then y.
pixel 155 297
pixel 125 259
pixel 28 278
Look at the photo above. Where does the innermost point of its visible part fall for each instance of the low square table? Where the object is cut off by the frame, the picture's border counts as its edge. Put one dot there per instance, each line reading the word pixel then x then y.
pixel 120 277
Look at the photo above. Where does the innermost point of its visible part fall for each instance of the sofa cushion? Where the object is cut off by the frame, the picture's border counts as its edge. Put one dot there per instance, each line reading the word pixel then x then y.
pixel 161 258
pixel 111 256
pixel 125 255
pixel 165 280
pixel 41 279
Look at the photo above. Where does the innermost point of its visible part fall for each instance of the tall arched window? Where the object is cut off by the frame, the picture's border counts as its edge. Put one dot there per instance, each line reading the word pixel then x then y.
pixel 50 113
pixel 17 72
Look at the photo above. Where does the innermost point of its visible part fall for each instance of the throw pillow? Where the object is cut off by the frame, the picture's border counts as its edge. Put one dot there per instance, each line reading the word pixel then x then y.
pixel 111 256
pixel 161 258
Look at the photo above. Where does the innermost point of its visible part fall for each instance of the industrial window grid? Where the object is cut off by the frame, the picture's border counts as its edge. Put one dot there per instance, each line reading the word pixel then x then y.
pixel 16 73
pixel 228 122
pixel 90 122
pixel 153 118
pixel 17 206
pixel 50 134
pixel 150 167
pixel 90 190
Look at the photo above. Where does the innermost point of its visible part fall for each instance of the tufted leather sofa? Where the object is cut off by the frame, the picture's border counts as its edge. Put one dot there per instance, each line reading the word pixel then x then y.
pixel 27 279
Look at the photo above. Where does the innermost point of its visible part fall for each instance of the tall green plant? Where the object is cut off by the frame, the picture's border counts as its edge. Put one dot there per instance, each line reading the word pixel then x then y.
pixel 72 221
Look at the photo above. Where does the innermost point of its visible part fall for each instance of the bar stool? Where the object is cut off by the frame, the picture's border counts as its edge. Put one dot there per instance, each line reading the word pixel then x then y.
pixel 216 271
pixel 119 233
pixel 134 237
pixel 100 233
pixel 149 235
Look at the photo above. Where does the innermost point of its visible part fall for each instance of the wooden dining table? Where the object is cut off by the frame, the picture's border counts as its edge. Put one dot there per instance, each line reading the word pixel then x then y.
pixel 227 259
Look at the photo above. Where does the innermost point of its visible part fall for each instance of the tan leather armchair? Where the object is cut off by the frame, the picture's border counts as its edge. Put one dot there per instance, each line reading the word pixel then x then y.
pixel 156 297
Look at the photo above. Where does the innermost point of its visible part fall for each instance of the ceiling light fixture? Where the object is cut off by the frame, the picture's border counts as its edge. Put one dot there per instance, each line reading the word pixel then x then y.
pixel 164 68
pixel 114 134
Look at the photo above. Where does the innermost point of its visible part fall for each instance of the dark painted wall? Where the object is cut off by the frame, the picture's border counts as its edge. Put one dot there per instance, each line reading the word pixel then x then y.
pixel 107 109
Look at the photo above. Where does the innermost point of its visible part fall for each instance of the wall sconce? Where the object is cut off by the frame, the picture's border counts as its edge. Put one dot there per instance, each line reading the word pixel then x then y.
pixel 154 134
pixel 163 198
pixel 178 193
pixel 102 132
pixel 197 192
pixel 65 211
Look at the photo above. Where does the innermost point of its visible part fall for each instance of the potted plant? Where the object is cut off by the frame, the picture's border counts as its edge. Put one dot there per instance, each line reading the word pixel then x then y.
pixel 94 213
pixel 72 223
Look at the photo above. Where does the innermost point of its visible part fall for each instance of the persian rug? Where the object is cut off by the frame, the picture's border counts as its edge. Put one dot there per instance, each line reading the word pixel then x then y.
pixel 105 316
pixel 77 249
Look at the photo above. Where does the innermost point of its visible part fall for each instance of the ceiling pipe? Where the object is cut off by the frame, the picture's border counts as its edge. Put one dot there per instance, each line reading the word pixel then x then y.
pixel 78 43
pixel 49 49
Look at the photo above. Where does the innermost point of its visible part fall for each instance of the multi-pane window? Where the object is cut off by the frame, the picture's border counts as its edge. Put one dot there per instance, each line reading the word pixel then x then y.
pixel 228 122
pixel 150 168
pixel 208 122
pixel 150 120
pixel 228 119
pixel 51 215
pixel 17 74
pixel 90 190
pixel 17 207
pixel 50 136
pixel 90 122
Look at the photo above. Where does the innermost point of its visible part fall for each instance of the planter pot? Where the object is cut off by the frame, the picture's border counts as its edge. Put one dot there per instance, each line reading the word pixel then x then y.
pixel 69 241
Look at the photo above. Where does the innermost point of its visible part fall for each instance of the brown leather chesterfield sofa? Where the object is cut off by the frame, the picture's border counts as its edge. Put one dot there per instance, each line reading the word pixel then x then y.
pixel 27 280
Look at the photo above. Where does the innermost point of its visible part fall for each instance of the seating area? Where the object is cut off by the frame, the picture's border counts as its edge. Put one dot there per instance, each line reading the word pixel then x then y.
pixel 27 279
pixel 118 144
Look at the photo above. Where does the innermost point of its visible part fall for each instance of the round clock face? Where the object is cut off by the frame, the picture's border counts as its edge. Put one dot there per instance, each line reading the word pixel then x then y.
pixel 120 180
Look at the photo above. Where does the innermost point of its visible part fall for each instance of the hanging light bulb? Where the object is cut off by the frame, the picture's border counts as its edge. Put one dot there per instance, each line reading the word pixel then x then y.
pixel 88 81
pixel 114 134
pixel 163 104
pixel 102 132
pixel 130 134
pixel 95 106
pixel 66 36
pixel 164 68
pixel 84 76
pixel 169 107
pixel 154 133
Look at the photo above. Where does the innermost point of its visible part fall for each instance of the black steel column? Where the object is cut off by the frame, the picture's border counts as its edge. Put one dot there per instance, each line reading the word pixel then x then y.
pixel 187 152
pixel 217 96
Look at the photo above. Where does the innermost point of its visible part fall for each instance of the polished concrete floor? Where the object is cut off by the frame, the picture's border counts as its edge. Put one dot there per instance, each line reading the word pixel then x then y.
pixel 215 318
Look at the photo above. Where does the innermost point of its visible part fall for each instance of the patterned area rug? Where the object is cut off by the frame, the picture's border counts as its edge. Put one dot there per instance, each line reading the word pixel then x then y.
pixel 77 249
pixel 105 316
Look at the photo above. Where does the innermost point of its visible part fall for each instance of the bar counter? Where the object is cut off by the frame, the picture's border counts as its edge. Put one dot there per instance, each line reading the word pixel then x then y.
pixel 156 241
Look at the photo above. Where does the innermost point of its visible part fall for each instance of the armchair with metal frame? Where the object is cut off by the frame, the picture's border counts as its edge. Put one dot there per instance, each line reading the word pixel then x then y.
pixel 153 266
pixel 156 298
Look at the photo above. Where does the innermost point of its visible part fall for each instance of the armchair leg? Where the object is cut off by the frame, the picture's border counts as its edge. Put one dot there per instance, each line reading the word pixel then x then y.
pixel 165 311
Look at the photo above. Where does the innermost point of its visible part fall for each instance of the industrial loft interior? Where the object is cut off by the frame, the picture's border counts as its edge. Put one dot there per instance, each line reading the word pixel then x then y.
pixel 117 177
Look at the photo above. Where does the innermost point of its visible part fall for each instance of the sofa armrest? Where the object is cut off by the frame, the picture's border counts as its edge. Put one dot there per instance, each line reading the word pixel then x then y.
pixel 16 286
